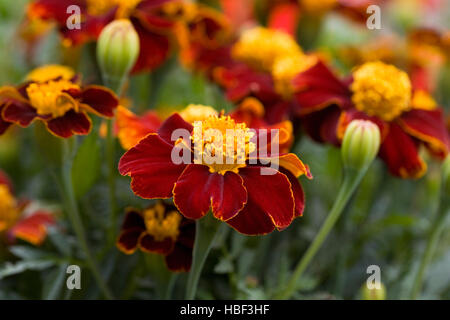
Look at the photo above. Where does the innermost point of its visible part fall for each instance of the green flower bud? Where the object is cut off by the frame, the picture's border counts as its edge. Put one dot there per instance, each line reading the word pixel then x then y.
pixel 360 144
pixel 373 294
pixel 446 175
pixel 117 52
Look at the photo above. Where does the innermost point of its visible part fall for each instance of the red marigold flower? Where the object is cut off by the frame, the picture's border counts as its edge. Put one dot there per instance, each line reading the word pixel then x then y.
pixel 230 189
pixel 159 229
pixel 380 93
pixel 16 222
pixel 53 95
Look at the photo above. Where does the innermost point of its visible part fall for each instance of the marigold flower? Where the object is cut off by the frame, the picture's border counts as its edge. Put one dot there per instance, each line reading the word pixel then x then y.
pixel 16 222
pixel 382 94
pixel 54 96
pixel 159 229
pixel 231 189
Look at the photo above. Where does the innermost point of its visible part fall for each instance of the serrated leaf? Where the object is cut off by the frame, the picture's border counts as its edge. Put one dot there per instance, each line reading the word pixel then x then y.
pixel 9 269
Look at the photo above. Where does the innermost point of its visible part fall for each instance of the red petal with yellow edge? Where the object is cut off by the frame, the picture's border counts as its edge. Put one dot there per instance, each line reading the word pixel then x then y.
pixel 429 127
pixel 99 100
pixel 252 220
pixel 151 168
pixel 148 243
pixel 33 228
pixel 318 88
pixel 290 162
pixel 172 123
pixel 180 259
pixel 285 17
pixel 19 112
pixel 4 125
pixel 128 240
pixel 132 128
pixel 297 190
pixel 69 124
pixel 399 151
pixel 154 48
pixel 197 190
pixel 349 115
pixel 271 193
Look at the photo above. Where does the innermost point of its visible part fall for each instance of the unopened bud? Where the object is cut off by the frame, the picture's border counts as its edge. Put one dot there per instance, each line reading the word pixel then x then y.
pixel 374 293
pixel 117 51
pixel 360 144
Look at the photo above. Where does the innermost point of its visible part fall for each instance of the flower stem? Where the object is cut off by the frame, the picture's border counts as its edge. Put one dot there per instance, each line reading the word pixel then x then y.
pixel 435 232
pixel 75 219
pixel 206 233
pixel 351 181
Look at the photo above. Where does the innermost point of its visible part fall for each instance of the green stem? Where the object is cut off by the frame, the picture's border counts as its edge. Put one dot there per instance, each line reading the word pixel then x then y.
pixel 206 233
pixel 435 232
pixel 75 219
pixel 351 181
pixel 110 158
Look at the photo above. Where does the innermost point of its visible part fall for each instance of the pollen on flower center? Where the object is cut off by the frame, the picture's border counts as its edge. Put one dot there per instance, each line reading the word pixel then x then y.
pixel 222 144
pixel 50 72
pixel 50 98
pixel 124 7
pixel 261 47
pixel 162 225
pixel 286 68
pixel 197 112
pixel 8 208
pixel 381 90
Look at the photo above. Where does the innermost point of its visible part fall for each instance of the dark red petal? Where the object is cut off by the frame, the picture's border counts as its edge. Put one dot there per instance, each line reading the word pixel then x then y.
pixel 322 125
pixel 429 127
pixel 69 124
pixel 99 100
pixel 252 220
pixel 399 151
pixel 18 112
pixel 180 259
pixel 4 125
pixel 151 168
pixel 133 219
pixel 297 190
pixel 197 190
pixel 147 243
pixel 128 240
pixel 172 123
pixel 154 48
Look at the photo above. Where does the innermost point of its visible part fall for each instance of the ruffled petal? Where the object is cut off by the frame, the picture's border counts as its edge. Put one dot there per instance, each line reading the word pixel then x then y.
pixel 69 124
pixel 151 168
pixel 18 112
pixel 99 100
pixel 197 190
pixel 274 202
pixel 400 153
pixel 33 228
pixel 427 126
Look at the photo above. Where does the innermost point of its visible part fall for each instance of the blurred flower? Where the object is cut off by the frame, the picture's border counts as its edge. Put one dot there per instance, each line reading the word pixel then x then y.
pixel 17 221
pixel 159 229
pixel 380 93
pixel 373 294
pixel 53 94
pixel 231 190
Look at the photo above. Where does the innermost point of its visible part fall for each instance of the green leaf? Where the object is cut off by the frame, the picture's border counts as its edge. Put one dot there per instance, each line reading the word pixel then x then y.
pixel 9 269
pixel 54 282
pixel 27 253
pixel 86 165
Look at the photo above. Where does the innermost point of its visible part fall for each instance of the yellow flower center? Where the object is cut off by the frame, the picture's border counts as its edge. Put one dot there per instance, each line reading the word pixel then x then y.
pixel 286 68
pixel 50 99
pixel 99 7
pixel 381 90
pixel 261 47
pixel 162 225
pixel 222 144
pixel 50 72
pixel 197 112
pixel 318 7
pixel 9 211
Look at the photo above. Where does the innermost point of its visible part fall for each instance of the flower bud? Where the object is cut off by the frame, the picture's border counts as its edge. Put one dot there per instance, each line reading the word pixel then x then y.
pixel 446 175
pixel 117 52
pixel 374 293
pixel 360 144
